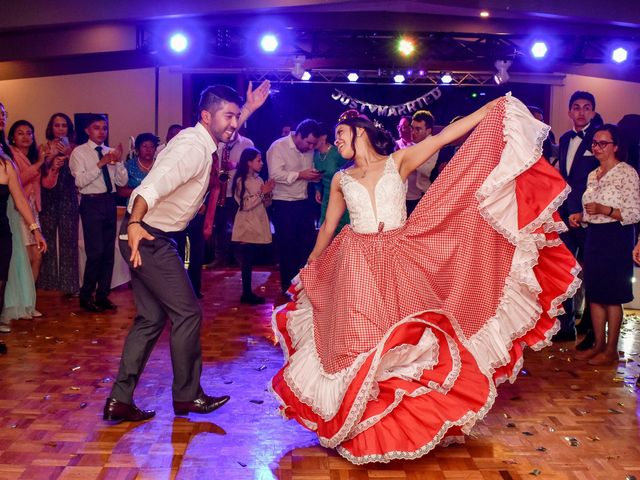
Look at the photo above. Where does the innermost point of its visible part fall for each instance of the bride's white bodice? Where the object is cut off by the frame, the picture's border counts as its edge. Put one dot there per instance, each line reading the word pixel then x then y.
pixel 387 207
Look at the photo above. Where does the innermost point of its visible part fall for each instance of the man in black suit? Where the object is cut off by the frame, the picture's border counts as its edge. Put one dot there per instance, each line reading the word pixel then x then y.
pixel 576 161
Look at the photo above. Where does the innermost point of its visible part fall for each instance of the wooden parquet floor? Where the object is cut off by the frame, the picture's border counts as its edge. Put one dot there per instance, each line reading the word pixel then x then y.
pixel 560 420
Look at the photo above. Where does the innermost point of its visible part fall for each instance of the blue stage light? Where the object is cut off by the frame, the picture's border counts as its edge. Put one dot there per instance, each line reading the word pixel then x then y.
pixel 353 77
pixel 178 42
pixel 619 55
pixel 269 43
pixel 539 49
pixel 399 78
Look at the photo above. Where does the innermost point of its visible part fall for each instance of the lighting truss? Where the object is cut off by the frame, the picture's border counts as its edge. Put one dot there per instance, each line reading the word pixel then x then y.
pixel 376 77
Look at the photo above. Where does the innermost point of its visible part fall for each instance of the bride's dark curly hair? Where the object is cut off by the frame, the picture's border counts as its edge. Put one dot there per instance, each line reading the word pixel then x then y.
pixel 380 139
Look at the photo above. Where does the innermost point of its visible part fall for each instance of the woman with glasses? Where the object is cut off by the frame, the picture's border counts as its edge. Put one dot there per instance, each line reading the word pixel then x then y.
pixel 611 206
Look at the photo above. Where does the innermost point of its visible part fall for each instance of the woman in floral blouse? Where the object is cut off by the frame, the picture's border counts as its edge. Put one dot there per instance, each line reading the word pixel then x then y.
pixel 611 208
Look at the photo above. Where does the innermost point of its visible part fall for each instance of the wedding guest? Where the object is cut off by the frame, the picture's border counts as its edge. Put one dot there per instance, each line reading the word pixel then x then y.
pixel 140 164
pixel 29 161
pixel 575 162
pixel 98 169
pixel 290 162
pixel 611 207
pixel 327 161
pixel 418 181
pixel 59 215
pixel 172 131
pixel 229 156
pixel 12 197
pixel 251 226
pixel 404 132
pixel 19 292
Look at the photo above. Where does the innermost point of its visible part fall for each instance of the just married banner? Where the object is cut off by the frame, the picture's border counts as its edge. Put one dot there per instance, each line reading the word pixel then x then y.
pixel 406 108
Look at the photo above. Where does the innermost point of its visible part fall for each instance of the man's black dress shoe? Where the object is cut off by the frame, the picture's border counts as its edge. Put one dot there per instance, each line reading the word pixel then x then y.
pixel 116 411
pixel 105 304
pixel 587 342
pixel 88 305
pixel 203 404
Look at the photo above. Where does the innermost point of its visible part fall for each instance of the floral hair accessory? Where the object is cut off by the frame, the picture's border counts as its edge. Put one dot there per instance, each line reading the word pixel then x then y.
pixel 352 113
pixel 349 114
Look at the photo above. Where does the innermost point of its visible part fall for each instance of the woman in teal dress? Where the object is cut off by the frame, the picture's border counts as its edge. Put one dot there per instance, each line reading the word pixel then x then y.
pixel 17 291
pixel 327 161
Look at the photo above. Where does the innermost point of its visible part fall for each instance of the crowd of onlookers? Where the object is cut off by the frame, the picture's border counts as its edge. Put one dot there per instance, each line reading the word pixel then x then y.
pixel 66 185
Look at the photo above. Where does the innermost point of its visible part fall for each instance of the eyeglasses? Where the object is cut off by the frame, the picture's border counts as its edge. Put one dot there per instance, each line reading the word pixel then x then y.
pixel 602 145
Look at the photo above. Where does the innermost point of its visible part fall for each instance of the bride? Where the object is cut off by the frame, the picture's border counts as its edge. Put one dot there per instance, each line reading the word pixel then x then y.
pixel 400 329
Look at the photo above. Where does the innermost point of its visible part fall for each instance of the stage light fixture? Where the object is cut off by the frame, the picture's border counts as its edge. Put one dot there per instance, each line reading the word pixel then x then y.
pixel 421 72
pixel 269 43
pixel 484 14
pixel 178 42
pixel 398 78
pixel 297 71
pixel 502 76
pixel 306 76
pixel 539 49
pixel 446 78
pixel 406 46
pixel 353 77
pixel 619 55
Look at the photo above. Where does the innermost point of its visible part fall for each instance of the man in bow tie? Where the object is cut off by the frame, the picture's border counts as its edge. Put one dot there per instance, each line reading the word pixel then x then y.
pixel 576 161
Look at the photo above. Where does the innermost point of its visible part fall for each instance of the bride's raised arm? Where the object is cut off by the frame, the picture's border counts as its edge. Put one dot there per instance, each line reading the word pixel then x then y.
pixel 412 157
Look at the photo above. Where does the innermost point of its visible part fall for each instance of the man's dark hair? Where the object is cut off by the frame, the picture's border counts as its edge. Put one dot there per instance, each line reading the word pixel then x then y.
pixel 581 95
pixel 424 116
pixel 308 127
pixel 93 118
pixel 214 96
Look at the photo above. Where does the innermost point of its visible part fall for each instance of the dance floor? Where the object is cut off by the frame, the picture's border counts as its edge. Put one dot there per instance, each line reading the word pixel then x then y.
pixel 560 420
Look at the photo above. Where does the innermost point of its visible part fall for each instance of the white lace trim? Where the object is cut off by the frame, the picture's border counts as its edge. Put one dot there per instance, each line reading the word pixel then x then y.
pixel 519 308
pixel 324 392
pixel 466 422
pixel 400 393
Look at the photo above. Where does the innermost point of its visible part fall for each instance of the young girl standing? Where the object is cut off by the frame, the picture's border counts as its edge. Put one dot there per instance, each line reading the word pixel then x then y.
pixel 251 226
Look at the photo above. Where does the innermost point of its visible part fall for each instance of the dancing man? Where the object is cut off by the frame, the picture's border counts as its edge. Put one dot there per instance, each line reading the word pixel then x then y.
pixel 166 200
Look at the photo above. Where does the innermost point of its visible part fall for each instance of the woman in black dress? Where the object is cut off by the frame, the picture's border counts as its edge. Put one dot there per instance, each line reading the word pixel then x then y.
pixel 59 215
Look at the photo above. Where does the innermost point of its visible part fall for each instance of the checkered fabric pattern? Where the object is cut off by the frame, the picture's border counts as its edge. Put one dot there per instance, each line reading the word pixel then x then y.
pixel 446 257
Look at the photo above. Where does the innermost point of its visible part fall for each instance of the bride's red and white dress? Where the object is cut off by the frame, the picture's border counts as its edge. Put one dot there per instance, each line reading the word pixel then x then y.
pixel 397 336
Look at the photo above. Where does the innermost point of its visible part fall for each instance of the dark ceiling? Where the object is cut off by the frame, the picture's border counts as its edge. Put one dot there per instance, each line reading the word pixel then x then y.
pixel 40 37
